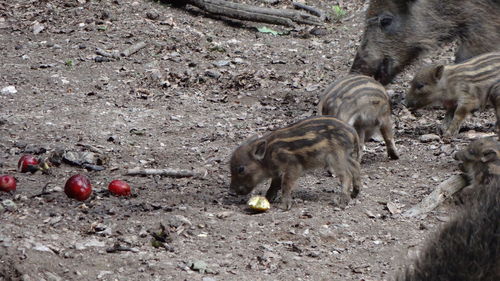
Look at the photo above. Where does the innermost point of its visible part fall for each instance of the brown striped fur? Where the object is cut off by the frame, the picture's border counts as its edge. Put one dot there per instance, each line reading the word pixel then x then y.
pixel 284 154
pixel 461 88
pixel 480 162
pixel 363 103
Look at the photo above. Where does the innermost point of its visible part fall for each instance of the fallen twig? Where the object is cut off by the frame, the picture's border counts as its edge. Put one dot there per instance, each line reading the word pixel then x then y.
pixel 169 172
pixel 444 190
pixel 119 248
pixel 92 148
pixel 133 49
pixel 272 2
pixel 43 192
pixel 315 11
pixel 104 53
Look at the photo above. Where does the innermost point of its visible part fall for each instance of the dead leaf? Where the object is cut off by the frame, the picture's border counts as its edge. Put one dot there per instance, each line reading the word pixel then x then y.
pixel 393 208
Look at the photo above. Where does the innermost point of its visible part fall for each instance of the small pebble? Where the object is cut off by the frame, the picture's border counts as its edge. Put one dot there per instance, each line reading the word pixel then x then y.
pixel 221 63
pixel 213 74
pixel 152 15
pixel 9 205
pixel 199 266
pixel 37 28
pixel 429 138
pixel 101 59
pixel 9 90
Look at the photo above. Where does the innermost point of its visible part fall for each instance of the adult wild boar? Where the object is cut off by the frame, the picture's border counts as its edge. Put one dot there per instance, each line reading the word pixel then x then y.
pixel 398 31
pixel 467 248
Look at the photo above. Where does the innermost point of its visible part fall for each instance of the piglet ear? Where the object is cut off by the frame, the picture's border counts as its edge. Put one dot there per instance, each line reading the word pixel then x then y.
pixel 259 150
pixel 438 72
pixel 489 155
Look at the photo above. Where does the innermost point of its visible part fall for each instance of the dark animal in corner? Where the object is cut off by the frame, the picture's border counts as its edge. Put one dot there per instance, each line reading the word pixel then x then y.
pixel 467 248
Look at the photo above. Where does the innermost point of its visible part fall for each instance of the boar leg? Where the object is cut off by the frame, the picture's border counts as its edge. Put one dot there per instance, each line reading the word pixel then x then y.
pixel 272 192
pixel 388 135
pixel 450 111
pixel 340 164
pixel 354 170
pixel 346 182
pixel 460 113
pixel 288 180
pixel 362 135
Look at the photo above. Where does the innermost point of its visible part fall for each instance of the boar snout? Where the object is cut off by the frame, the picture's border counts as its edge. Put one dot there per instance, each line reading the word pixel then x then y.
pixel 411 105
pixel 240 189
pixel 361 66
pixel 381 69
pixel 385 71
pixel 232 192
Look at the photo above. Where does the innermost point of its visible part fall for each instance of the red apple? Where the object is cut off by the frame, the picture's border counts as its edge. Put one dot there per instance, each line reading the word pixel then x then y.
pixel 7 183
pixel 119 188
pixel 78 187
pixel 27 163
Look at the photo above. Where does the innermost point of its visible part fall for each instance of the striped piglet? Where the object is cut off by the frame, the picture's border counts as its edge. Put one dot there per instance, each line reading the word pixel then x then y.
pixel 460 88
pixel 285 154
pixel 363 103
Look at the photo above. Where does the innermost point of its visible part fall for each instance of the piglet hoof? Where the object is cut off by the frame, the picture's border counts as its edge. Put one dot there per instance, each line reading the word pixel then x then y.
pixel 466 194
pixel 354 193
pixel 271 197
pixel 342 201
pixel 393 155
pixel 446 139
pixel 441 130
pixel 287 204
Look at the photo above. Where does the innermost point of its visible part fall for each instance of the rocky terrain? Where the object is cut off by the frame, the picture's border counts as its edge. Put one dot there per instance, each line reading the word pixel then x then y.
pixel 198 88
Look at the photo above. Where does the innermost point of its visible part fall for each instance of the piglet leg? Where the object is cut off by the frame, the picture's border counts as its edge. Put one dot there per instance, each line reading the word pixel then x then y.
pixel 273 190
pixel 288 180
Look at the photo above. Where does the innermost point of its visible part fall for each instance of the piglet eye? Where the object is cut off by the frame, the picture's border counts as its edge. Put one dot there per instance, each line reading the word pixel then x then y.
pixel 241 169
pixel 419 85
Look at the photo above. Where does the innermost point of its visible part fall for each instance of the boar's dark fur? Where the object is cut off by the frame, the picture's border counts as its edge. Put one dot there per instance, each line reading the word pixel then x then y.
pixel 398 31
pixel 468 247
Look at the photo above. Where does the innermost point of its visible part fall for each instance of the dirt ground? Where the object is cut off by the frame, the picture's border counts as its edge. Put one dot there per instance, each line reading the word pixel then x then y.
pixel 199 88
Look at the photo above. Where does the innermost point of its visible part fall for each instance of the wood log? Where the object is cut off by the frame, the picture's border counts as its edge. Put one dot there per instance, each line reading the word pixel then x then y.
pixel 443 191
pixel 286 17
pixel 242 15
pixel 104 53
pixel 133 49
